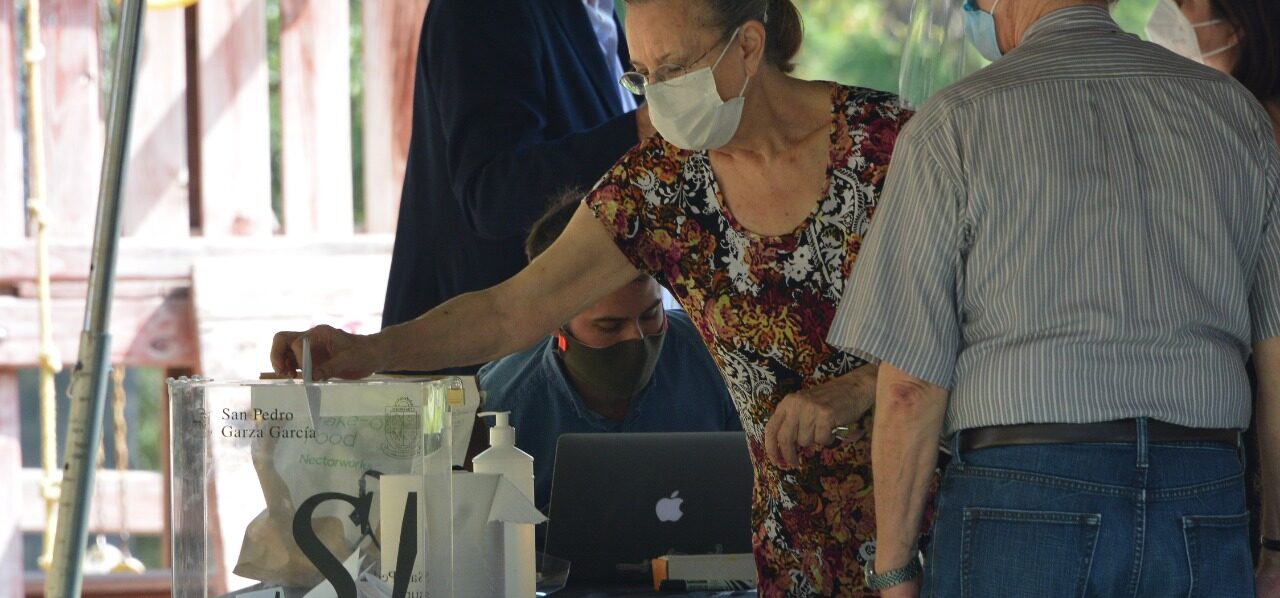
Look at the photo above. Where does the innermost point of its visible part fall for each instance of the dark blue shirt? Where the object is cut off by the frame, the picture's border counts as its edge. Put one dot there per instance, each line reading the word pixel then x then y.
pixel 513 102
pixel 686 394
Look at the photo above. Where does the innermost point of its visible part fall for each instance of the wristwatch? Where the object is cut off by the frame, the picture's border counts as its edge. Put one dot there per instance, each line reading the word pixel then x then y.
pixel 875 580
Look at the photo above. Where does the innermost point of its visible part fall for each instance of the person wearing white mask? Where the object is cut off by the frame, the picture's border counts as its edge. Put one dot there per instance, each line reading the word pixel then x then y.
pixel 1170 27
pixel 1240 38
pixel 1078 250
pixel 749 206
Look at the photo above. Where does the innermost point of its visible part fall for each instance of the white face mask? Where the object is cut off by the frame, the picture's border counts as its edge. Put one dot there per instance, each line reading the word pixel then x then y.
pixel 688 112
pixel 1173 30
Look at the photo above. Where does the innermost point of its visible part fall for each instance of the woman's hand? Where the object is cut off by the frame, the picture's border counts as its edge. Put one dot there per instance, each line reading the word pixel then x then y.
pixel 334 354
pixel 807 418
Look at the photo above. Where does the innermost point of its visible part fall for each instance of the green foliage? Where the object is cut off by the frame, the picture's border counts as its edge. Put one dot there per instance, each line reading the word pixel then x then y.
pixel 357 109
pixel 273 99
pixel 856 42
pixel 860 42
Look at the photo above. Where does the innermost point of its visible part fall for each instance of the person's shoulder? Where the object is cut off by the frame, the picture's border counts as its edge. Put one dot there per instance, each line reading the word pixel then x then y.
pixel 506 19
pixel 866 104
pixel 853 96
pixel 679 323
pixel 686 365
pixel 868 123
pixel 683 335
pixel 489 7
pixel 651 164
pixel 504 378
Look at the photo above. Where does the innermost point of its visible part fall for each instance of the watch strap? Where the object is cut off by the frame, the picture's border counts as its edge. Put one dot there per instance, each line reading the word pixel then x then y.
pixel 879 581
pixel 1271 544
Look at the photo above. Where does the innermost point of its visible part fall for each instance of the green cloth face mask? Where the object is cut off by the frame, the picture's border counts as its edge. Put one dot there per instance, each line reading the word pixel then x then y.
pixel 619 371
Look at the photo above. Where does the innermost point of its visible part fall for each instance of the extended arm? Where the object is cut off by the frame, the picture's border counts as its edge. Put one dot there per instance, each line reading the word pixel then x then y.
pixel 1266 359
pixel 904 452
pixel 582 266
pixel 1265 306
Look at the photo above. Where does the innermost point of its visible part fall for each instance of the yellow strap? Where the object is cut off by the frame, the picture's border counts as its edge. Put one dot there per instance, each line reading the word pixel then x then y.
pixel 118 418
pixel 166 4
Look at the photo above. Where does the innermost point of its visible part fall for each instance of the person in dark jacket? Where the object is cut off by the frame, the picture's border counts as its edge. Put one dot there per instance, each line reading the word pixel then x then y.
pixel 513 101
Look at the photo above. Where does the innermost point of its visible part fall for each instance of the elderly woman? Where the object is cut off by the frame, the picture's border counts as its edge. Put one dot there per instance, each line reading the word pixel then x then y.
pixel 1240 38
pixel 750 207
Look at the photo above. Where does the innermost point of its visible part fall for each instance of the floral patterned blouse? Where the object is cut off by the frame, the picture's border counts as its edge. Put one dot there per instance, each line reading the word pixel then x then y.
pixel 763 305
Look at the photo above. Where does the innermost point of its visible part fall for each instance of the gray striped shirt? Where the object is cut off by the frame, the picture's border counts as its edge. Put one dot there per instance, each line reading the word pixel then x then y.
pixel 1086 230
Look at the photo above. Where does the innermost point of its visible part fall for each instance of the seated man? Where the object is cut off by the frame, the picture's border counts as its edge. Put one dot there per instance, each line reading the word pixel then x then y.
pixel 623 365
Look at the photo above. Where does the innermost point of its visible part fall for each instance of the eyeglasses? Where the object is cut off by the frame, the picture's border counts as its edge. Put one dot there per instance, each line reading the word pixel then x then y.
pixel 636 82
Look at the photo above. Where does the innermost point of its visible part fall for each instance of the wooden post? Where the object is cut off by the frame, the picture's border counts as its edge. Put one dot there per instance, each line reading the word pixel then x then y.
pixel 391 29
pixel 234 118
pixel 74 133
pixel 11 491
pixel 12 214
pixel 155 194
pixel 315 110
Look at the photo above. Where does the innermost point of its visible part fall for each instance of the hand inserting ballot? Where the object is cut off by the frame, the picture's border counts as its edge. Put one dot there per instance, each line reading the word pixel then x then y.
pixel 334 354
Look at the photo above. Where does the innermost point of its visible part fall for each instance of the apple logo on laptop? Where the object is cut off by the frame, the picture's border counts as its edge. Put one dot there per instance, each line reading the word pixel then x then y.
pixel 668 509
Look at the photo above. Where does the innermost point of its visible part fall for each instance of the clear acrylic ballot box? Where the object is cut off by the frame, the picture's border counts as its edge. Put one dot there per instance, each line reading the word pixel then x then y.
pixel 283 489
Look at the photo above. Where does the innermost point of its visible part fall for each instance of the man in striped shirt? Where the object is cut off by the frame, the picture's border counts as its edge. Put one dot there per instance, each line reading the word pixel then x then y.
pixel 1077 249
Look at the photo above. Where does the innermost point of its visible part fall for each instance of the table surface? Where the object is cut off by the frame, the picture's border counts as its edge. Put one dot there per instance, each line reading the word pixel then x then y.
pixel 621 590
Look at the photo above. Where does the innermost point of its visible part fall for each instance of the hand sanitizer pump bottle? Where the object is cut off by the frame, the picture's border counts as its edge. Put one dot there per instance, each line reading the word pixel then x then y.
pixel 502 457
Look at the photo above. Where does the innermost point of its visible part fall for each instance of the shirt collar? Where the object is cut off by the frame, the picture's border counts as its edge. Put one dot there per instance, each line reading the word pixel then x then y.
pixel 1072 17
pixel 601 6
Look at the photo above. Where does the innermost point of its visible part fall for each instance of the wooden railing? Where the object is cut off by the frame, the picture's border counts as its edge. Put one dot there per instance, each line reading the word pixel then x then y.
pixel 198 198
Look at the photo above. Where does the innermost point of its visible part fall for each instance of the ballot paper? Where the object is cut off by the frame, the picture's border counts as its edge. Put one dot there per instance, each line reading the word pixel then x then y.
pixel 325 590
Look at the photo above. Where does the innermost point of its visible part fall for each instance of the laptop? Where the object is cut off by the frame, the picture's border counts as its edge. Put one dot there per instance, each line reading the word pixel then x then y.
pixel 619 500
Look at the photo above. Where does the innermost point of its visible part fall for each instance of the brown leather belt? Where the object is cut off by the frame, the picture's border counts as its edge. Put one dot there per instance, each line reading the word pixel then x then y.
pixel 1119 431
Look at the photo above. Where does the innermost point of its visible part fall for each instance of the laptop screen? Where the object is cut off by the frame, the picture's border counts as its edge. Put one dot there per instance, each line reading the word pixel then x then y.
pixel 619 500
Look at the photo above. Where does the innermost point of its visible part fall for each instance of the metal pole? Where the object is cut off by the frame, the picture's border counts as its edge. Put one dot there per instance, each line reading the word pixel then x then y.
pixel 89 380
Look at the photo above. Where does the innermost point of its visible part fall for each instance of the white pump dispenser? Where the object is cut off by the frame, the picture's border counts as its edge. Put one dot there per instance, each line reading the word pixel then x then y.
pixel 516 466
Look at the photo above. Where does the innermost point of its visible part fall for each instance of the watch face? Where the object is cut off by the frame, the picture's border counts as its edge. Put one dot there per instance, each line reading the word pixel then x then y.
pixel 867 552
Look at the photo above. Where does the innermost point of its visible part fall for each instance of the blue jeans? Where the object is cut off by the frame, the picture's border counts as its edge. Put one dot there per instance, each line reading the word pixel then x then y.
pixel 1091 520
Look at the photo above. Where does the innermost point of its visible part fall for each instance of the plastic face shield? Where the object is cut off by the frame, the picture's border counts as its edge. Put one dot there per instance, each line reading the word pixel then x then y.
pixel 936 53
